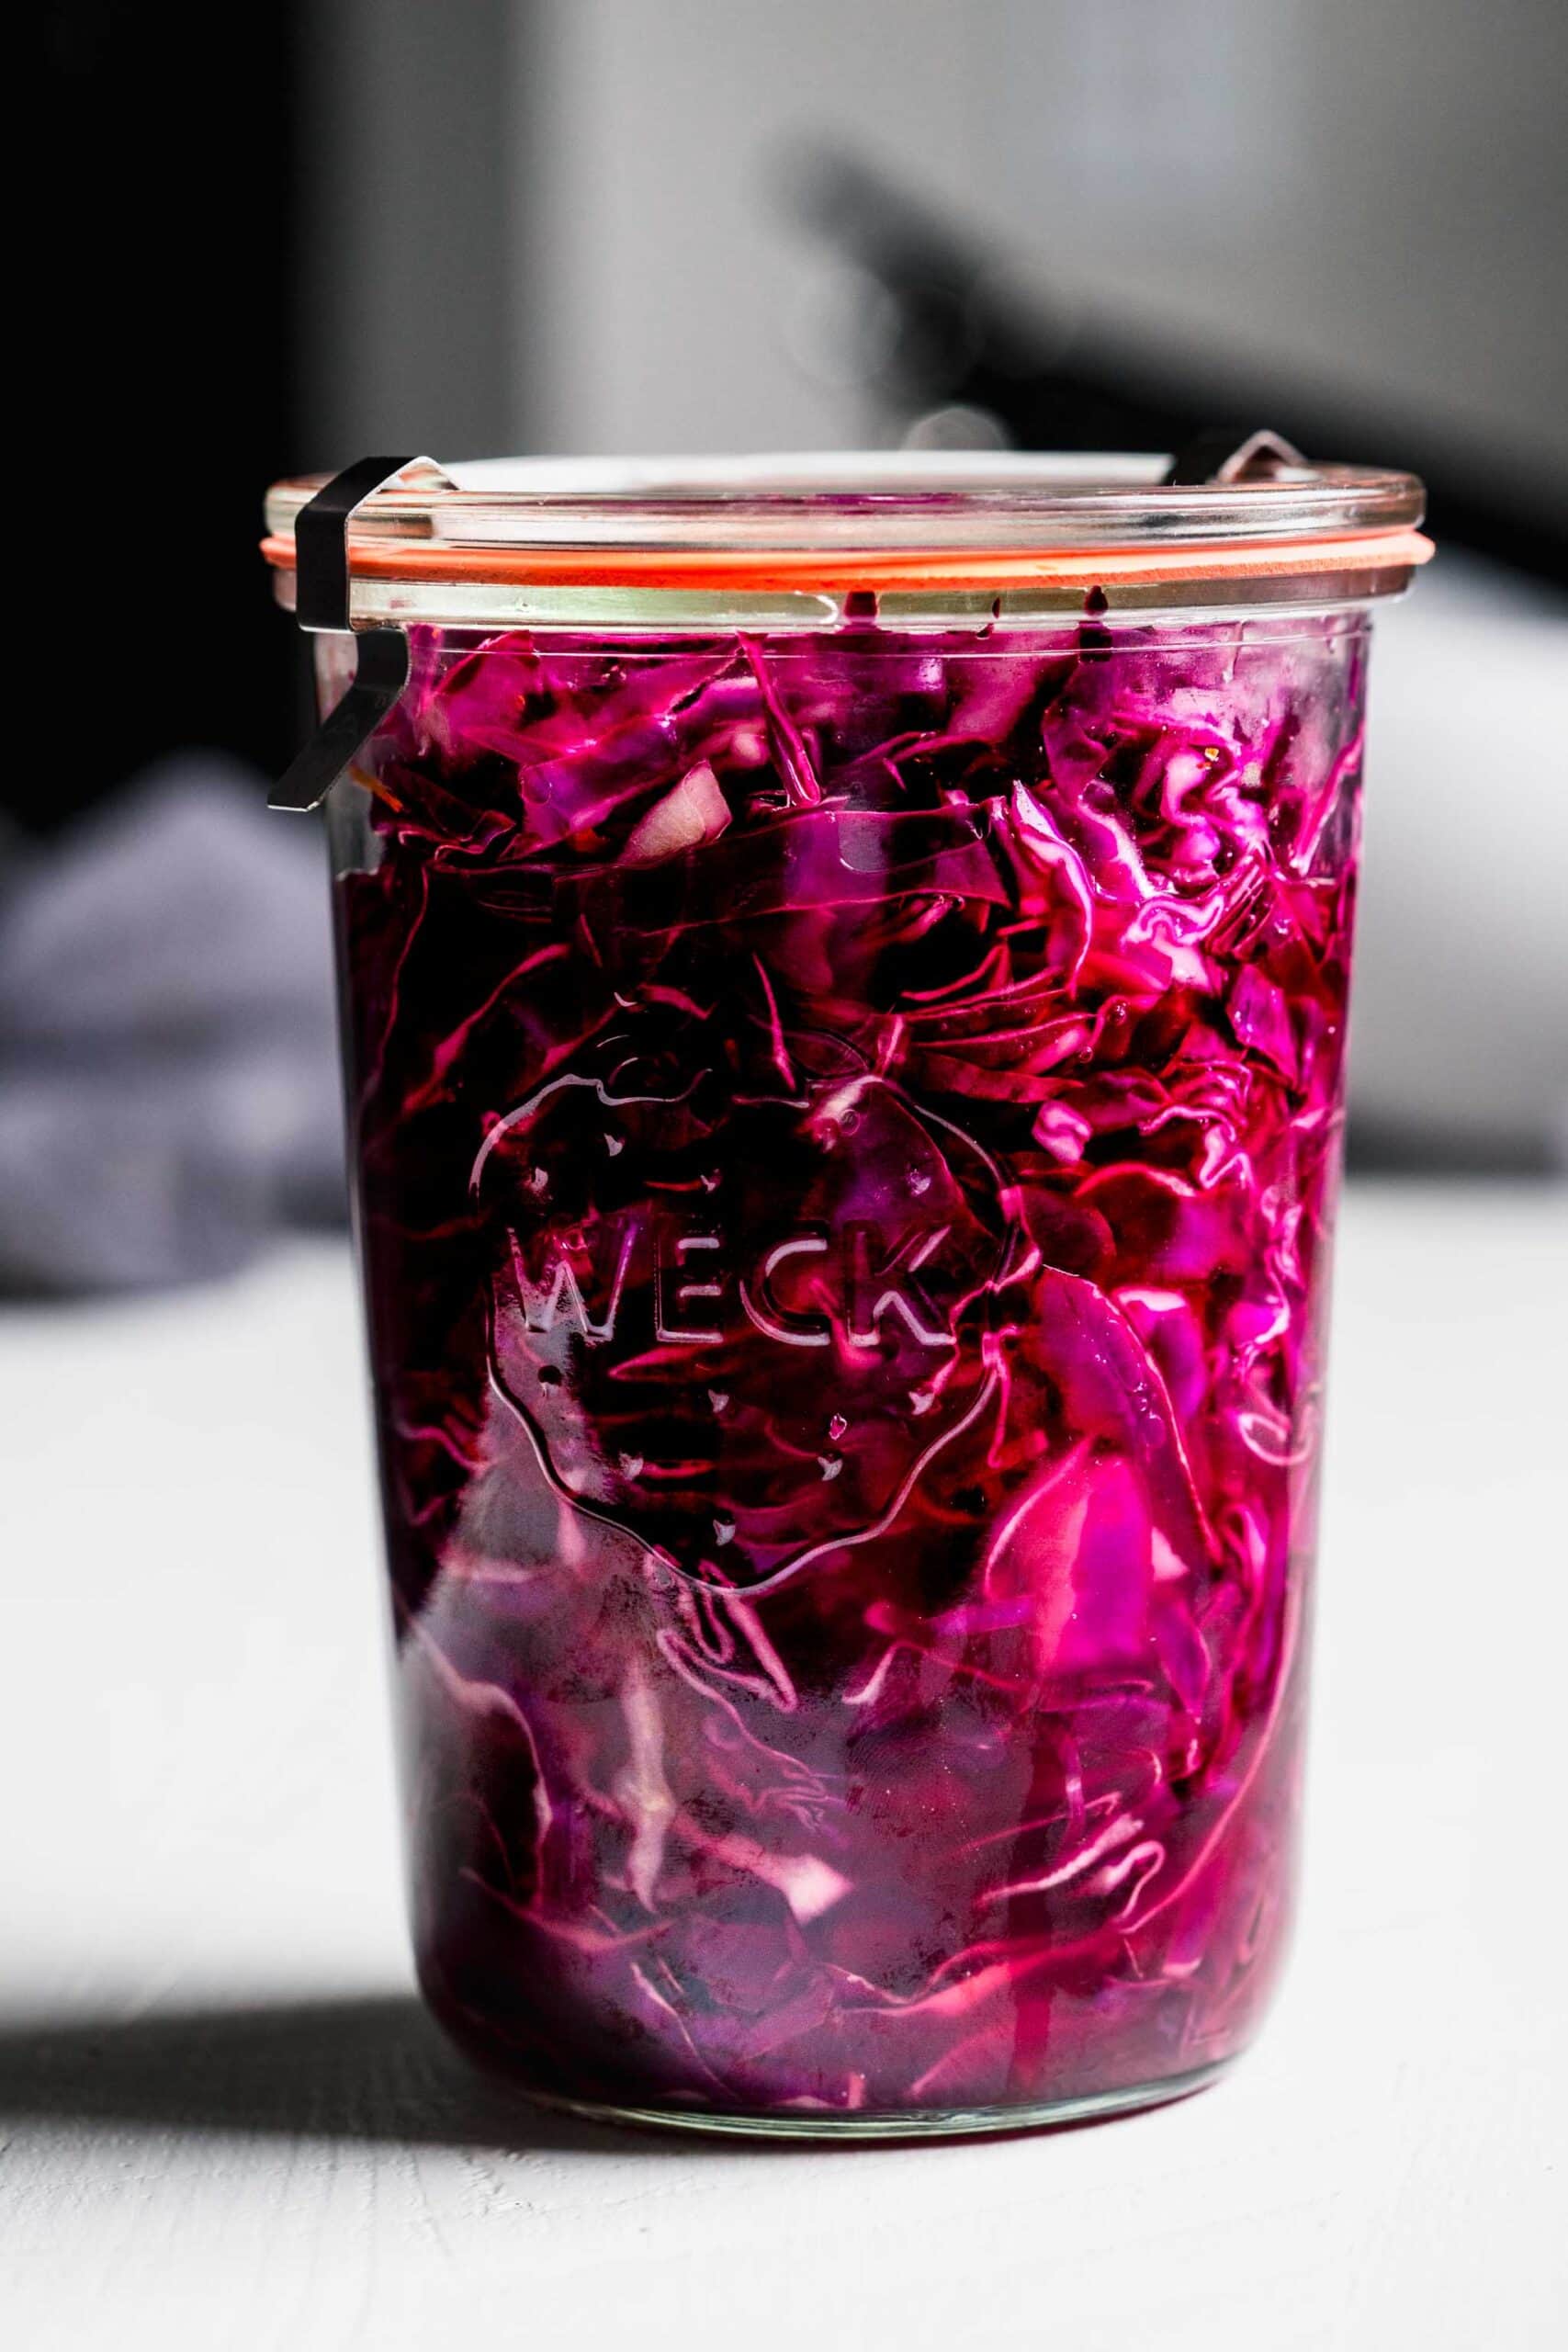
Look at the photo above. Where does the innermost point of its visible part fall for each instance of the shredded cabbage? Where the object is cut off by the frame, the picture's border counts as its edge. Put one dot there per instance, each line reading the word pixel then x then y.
pixel 846 1129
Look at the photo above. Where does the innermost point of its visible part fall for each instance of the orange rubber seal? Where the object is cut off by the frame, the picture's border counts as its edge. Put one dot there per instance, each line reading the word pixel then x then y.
pixel 803 569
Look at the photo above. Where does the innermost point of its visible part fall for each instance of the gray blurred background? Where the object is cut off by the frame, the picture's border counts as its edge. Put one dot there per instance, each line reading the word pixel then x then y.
pixel 1368 195
pixel 615 225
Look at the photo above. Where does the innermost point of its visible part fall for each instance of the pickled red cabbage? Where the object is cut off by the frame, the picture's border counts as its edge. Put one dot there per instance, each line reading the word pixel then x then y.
pixel 846 1129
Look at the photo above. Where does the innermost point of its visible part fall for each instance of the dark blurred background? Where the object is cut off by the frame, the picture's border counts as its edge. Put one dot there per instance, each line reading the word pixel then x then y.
pixel 287 236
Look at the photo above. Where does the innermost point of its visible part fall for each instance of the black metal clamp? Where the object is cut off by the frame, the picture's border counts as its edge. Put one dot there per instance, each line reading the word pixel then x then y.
pixel 1226 453
pixel 321 576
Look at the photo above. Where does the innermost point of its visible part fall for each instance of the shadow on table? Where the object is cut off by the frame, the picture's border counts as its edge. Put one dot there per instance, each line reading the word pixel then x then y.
pixel 369 2070
pixel 373 2070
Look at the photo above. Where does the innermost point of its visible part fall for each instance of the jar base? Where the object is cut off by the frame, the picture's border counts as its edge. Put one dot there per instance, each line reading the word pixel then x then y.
pixel 914 2123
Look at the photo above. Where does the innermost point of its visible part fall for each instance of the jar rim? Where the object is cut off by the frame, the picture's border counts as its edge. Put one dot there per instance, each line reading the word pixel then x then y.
pixel 906 521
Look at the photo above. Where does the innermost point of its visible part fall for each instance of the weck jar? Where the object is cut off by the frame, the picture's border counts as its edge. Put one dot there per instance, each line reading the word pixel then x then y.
pixel 843 979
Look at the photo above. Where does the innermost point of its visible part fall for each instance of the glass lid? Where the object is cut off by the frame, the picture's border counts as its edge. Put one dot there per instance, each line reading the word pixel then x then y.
pixel 912 524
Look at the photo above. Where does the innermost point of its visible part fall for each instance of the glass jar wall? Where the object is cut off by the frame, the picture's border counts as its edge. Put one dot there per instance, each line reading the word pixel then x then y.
pixel 845 1124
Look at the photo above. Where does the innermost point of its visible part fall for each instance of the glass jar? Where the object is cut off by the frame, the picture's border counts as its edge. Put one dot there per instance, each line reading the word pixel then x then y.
pixel 843 973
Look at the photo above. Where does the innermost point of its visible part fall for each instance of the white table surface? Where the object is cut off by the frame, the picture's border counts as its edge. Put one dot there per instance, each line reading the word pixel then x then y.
pixel 224 2123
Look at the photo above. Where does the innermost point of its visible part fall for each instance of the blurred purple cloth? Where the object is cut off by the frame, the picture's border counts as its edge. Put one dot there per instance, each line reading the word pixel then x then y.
pixel 169 1092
